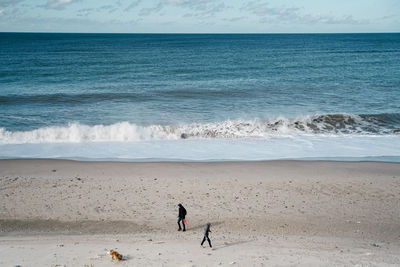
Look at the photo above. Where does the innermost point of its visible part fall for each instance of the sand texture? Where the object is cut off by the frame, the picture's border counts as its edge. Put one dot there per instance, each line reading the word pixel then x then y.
pixel 274 213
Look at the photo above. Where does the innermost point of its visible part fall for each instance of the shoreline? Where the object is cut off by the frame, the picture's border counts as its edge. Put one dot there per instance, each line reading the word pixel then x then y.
pixel 320 212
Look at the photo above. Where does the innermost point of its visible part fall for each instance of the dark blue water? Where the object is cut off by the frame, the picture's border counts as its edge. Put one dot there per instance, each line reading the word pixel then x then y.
pixel 53 79
pixel 172 86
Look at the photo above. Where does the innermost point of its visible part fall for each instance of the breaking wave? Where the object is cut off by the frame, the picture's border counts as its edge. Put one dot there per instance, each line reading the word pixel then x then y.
pixel 330 124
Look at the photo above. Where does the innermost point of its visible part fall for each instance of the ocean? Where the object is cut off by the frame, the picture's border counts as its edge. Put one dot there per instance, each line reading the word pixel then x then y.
pixel 205 97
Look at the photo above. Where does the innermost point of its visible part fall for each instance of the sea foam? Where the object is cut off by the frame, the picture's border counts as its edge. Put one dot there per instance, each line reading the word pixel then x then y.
pixel 330 124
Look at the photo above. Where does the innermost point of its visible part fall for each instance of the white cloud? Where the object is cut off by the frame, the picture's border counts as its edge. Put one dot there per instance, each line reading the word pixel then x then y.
pixel 7 3
pixel 87 11
pixel 293 15
pixel 196 7
pixel 9 8
pixel 132 5
pixel 234 19
pixel 58 4
pixel 150 10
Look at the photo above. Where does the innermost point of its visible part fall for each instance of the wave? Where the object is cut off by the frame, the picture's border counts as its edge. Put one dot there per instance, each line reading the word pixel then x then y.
pixel 329 124
pixel 87 98
pixel 66 98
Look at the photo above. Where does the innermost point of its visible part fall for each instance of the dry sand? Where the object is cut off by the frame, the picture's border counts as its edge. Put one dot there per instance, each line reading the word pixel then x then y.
pixel 274 213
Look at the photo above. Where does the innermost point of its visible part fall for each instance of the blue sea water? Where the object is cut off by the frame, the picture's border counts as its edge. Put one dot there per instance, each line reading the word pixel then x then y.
pixel 200 96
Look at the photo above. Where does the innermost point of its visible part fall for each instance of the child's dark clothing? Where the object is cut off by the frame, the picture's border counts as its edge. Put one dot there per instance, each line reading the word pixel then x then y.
pixel 206 232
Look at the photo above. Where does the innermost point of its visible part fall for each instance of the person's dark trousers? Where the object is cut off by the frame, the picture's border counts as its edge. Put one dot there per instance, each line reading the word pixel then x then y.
pixel 179 224
pixel 208 239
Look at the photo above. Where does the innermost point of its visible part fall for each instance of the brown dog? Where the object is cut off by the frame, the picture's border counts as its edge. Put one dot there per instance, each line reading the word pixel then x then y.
pixel 115 255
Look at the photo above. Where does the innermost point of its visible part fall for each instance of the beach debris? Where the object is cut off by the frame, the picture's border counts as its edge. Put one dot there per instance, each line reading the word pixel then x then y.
pixel 150 239
pixel 375 245
pixel 115 255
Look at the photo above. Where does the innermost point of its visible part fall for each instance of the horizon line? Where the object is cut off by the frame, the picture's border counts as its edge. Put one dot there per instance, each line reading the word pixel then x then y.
pixel 199 33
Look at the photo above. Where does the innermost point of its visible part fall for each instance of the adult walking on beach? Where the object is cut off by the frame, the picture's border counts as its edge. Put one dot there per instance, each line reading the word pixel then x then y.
pixel 206 232
pixel 181 217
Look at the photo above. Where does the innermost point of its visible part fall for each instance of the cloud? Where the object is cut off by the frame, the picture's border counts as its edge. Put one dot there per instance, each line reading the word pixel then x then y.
pixel 9 8
pixel 207 12
pixel 196 7
pixel 7 3
pixel 262 10
pixel 132 5
pixel 58 4
pixel 234 19
pixel 57 24
pixel 387 17
pixel 212 10
pixel 293 15
pixel 150 10
pixel 87 11
pixel 325 19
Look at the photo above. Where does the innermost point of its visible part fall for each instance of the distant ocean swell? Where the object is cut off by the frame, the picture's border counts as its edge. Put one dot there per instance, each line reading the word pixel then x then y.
pixel 88 98
pixel 328 124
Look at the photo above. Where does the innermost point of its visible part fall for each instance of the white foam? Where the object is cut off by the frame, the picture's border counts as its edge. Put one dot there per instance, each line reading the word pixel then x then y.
pixel 76 133
pixel 331 125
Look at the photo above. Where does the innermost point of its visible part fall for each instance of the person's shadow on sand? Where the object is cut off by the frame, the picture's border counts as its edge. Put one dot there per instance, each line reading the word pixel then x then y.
pixel 227 244
pixel 201 226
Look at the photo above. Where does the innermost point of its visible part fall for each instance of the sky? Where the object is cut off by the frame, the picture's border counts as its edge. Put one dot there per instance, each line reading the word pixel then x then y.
pixel 200 16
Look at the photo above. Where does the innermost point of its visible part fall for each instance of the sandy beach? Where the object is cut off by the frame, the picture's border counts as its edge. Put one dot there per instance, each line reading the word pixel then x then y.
pixel 271 213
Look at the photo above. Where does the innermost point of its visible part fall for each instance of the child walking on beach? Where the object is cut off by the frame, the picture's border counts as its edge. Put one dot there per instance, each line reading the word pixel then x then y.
pixel 206 232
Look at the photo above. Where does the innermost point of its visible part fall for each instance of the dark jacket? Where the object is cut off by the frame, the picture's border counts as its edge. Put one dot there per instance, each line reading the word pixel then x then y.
pixel 207 229
pixel 182 212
